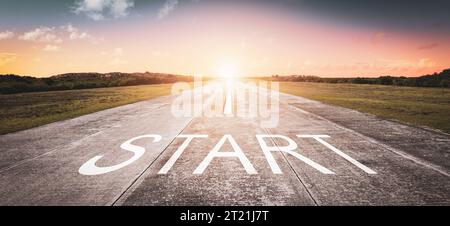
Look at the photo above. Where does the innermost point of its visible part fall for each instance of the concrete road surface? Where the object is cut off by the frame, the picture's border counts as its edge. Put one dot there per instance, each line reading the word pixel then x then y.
pixel 142 154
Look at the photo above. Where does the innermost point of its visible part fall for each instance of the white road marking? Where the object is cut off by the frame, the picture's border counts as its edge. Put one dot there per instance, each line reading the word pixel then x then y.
pixel 89 168
pixel 298 109
pixel 178 152
pixel 287 149
pixel 339 152
pixel 215 152
pixel 416 160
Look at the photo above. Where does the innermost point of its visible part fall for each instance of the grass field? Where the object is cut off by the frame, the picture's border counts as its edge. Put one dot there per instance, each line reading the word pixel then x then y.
pixel 428 107
pixel 419 106
pixel 27 110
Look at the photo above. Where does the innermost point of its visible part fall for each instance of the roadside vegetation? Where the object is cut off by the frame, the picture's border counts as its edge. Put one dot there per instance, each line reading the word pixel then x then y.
pixel 10 84
pixel 27 110
pixel 26 102
pixel 428 107
pixel 441 79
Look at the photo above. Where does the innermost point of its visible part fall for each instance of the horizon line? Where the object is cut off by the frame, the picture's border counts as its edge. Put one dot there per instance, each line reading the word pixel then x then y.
pixel 215 76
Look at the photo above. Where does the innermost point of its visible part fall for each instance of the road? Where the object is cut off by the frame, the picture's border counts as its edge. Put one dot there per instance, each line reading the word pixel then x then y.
pixel 342 157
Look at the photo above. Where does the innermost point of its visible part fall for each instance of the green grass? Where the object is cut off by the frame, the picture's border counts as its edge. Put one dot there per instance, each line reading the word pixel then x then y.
pixel 27 110
pixel 419 106
pixel 428 107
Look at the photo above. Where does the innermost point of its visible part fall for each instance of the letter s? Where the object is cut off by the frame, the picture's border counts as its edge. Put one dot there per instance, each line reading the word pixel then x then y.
pixel 89 168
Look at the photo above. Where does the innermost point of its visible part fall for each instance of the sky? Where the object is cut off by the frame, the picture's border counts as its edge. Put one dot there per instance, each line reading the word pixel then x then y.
pixel 326 38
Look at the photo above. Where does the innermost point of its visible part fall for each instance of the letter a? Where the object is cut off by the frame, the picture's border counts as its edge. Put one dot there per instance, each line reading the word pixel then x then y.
pixel 236 153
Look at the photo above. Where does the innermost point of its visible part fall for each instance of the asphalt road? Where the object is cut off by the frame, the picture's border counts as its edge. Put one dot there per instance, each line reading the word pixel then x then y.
pixel 358 159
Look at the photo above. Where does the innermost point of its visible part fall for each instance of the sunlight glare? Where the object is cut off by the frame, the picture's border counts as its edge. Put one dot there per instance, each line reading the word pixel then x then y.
pixel 227 69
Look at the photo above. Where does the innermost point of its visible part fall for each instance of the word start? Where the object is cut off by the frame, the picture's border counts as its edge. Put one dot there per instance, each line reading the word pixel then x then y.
pixel 90 168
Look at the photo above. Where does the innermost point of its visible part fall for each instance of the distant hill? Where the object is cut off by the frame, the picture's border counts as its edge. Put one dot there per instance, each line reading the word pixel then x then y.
pixel 17 84
pixel 441 79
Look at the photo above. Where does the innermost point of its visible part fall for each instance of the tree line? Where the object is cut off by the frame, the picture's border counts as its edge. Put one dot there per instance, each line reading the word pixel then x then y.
pixel 10 84
pixel 441 79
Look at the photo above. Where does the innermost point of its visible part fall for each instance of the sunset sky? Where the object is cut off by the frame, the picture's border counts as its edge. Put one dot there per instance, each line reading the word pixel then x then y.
pixel 324 38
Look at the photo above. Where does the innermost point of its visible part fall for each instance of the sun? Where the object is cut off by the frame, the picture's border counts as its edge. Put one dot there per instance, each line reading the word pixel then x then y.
pixel 227 69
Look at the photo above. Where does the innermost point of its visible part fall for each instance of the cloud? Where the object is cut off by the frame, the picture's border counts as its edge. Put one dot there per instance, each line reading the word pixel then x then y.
pixel 41 34
pixel 119 8
pixel 102 9
pixel 428 46
pixel 51 48
pixel 167 8
pixel 6 58
pixel 75 33
pixel 54 36
pixel 6 35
